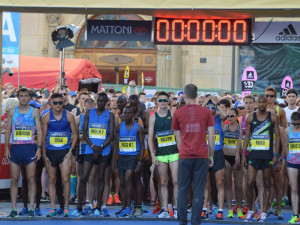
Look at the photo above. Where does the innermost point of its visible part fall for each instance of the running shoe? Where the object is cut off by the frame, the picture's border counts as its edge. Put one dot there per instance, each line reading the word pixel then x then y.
pixel 245 209
pixel 274 203
pixel 60 211
pixel 122 214
pixel 138 212
pixel 37 212
pixel 219 216
pixel 239 213
pixel 87 211
pixel 249 216
pixel 52 213
pixel 171 213
pixel 104 212
pixel 175 214
pixel 117 199
pixel 262 217
pixel 144 209
pixel 45 198
pixel 97 213
pixel 66 212
pixel 230 214
pixel 157 208
pixel 23 212
pixel 279 216
pixel 13 214
pixel 235 208
pixel 284 202
pixel 164 214
pixel 72 198
pixel 110 200
pixel 76 213
pixel 30 213
pixel 128 211
pixel 118 212
pixel 294 219
pixel 204 215
pixel 189 208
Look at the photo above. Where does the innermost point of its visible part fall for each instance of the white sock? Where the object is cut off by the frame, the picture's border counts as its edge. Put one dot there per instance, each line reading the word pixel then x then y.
pixel 91 205
pixel 104 207
pixel 205 209
pixel 169 206
pixel 220 210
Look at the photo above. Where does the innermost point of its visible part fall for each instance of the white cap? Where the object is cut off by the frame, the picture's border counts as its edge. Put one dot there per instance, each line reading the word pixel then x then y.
pixel 149 105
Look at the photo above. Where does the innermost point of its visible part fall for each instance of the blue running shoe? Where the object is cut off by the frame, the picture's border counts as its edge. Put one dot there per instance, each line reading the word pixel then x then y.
pixel 24 211
pixel 13 214
pixel 30 213
pixel 60 211
pixel 144 209
pixel 87 211
pixel 128 211
pixel 104 212
pixel 76 213
pixel 122 214
pixel 96 213
pixel 38 212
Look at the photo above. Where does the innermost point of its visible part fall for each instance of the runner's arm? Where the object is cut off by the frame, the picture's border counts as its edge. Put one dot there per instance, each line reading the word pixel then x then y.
pixel 146 121
pixel 74 137
pixel 277 134
pixel 151 135
pixel 8 129
pixel 282 142
pixel 116 143
pixel 45 122
pixel 142 143
pixel 86 127
pixel 247 136
pixel 283 120
pixel 287 130
pixel 111 125
pixel 211 141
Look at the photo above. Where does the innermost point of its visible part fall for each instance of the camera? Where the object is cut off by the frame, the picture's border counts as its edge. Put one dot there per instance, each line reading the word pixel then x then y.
pixel 7 70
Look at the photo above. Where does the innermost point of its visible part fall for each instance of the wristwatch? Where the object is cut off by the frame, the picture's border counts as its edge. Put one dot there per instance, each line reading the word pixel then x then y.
pixel 102 146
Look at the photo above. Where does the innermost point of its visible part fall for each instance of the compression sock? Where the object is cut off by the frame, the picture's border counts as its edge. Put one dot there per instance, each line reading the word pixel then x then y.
pixel 73 184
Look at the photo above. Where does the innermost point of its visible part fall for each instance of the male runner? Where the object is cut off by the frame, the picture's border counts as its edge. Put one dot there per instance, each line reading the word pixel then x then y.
pixel 98 131
pixel 260 127
pixel 190 123
pixel 219 162
pixel 129 142
pixel 22 123
pixel 291 98
pixel 164 151
pixel 58 125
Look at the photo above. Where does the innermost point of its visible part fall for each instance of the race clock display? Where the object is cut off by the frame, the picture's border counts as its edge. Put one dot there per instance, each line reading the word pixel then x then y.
pixel 178 31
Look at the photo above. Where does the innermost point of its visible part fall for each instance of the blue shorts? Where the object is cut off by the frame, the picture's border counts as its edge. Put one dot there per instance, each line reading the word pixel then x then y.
pixel 291 165
pixel 23 154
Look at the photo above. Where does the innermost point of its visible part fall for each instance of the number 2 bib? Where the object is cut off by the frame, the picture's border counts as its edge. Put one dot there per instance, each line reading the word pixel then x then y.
pixel 97 131
pixel 127 144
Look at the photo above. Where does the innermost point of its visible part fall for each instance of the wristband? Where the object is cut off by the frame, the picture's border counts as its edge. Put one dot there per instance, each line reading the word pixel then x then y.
pixel 92 146
pixel 275 154
pixel 210 157
pixel 40 147
pixel 44 155
pixel 70 150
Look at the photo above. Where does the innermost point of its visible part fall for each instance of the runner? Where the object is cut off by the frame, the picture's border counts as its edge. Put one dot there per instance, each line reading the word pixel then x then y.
pixel 231 146
pixel 219 163
pixel 260 127
pixel 291 98
pixel 98 131
pixel 190 124
pixel 22 123
pixel 165 153
pixel 293 162
pixel 129 142
pixel 58 125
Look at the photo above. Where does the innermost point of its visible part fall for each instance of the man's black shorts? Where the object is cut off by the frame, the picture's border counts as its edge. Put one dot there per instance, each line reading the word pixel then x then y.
pixel 219 161
pixel 100 159
pixel 260 164
pixel 126 162
pixel 56 157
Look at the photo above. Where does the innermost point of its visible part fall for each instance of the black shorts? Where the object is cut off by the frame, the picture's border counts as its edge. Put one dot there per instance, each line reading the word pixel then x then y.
pixel 100 159
pixel 80 158
pixel 56 157
pixel 219 161
pixel 75 150
pixel 292 165
pixel 230 159
pixel 126 162
pixel 260 164
pixel 23 154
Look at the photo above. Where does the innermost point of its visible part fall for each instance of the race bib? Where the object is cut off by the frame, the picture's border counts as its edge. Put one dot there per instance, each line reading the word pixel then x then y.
pixel 165 138
pixel 260 142
pixel 22 133
pixel 217 137
pixel 58 139
pixel 294 145
pixel 231 140
pixel 127 144
pixel 97 131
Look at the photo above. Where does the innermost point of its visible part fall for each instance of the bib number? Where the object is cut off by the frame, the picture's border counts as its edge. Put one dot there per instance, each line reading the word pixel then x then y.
pixel 22 133
pixel 58 139
pixel 165 138
pixel 97 131
pixel 231 141
pixel 260 142
pixel 127 144
pixel 294 145
pixel 217 137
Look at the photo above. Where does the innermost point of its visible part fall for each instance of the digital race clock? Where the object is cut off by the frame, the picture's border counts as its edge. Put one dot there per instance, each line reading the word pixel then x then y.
pixel 176 31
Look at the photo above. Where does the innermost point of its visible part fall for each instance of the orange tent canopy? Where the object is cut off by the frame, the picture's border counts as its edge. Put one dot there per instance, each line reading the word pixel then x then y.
pixel 42 72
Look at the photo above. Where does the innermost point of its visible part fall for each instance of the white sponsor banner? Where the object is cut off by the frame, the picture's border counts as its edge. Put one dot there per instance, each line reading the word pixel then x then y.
pixel 277 32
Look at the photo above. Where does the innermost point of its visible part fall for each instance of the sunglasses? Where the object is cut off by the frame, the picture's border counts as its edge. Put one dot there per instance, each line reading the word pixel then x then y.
pixel 163 100
pixel 296 124
pixel 231 116
pixel 240 107
pixel 60 103
pixel 211 107
pixel 271 96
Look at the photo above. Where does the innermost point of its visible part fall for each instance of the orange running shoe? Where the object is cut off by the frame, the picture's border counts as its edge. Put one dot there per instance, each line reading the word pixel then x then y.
pixel 171 213
pixel 110 200
pixel 117 199
pixel 245 209
pixel 157 207
pixel 235 208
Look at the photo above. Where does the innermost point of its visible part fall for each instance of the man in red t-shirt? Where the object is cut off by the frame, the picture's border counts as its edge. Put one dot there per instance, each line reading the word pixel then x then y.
pixel 190 124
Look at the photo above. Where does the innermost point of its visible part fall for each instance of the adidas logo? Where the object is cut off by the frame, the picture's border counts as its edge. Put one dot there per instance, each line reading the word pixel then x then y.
pixel 288 34
pixel 250 75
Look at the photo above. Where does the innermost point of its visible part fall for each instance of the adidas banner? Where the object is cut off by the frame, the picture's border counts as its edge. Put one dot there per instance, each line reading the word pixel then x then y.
pixel 277 32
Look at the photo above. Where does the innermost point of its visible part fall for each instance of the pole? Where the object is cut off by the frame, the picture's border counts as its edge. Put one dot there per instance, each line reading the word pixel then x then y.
pixel 62 63
pixel 19 67
pixel 1 13
pixel 233 70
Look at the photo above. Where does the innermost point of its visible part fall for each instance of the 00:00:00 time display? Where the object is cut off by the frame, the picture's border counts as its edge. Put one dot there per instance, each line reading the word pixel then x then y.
pixel 202 31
